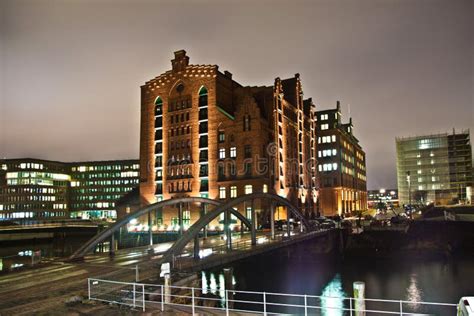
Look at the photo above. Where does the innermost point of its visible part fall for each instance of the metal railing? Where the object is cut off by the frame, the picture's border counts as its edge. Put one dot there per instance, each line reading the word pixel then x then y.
pixel 194 300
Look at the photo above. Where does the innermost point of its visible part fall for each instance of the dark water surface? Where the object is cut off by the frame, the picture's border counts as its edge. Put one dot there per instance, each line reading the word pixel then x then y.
pixel 403 277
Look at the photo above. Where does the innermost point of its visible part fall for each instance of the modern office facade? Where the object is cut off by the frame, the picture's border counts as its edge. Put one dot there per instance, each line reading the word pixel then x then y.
pixel 205 135
pixel 388 197
pixel 41 189
pixel 341 165
pixel 434 168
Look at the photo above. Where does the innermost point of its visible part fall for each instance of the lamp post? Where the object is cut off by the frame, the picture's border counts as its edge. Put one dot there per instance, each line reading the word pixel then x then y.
pixel 381 191
pixel 409 191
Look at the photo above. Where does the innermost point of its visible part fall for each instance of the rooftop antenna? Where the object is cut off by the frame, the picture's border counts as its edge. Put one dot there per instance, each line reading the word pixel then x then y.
pixel 349 109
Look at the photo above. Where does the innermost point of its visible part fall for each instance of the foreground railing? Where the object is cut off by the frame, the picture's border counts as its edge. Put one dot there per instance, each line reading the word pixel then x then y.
pixel 153 296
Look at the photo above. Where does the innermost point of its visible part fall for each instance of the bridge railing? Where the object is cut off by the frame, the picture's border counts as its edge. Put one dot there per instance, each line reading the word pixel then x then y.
pixel 201 300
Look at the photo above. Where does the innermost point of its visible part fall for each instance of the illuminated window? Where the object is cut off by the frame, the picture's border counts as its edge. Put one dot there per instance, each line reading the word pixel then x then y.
pixel 333 137
pixel 233 191
pixel 265 188
pixel 221 153
pixel 248 212
pixel 248 189
pixel 221 192
pixel 334 166
pixel 324 126
pixel 233 152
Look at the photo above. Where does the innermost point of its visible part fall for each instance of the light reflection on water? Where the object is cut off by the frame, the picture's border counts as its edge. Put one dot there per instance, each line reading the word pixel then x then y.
pixel 414 293
pixel 333 303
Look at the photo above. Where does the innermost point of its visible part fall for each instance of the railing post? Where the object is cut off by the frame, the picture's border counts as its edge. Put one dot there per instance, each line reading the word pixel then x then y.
pixel 89 288
pixel 401 308
pixel 264 304
pixel 143 291
pixel 162 299
pixel 226 303
pixel 350 305
pixel 192 298
pixel 136 273
pixel 134 293
pixel 305 305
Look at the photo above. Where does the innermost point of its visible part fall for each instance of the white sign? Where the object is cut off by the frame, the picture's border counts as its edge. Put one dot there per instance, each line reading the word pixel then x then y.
pixel 165 269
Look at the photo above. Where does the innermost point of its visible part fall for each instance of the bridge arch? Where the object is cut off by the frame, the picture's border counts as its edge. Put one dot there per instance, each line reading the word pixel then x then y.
pixel 194 230
pixel 104 235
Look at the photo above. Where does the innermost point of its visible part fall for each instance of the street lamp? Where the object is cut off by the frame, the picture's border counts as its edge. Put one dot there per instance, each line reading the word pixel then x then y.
pixel 409 191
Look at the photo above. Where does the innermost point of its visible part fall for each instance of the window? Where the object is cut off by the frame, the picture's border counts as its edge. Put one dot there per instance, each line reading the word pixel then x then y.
pixel 233 152
pixel 324 117
pixel 334 166
pixel 248 169
pixel 221 192
pixel 233 191
pixel 247 151
pixel 324 126
pixel 221 153
pixel 220 171
pixel 248 189
pixel 334 152
pixel 158 106
pixel 246 123
pixel 203 97
pixel 265 188
pixel 221 137
pixel 248 212
pixel 333 137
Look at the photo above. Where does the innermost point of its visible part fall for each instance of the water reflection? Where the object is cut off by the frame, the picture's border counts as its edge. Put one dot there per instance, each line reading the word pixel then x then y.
pixel 414 292
pixel 333 302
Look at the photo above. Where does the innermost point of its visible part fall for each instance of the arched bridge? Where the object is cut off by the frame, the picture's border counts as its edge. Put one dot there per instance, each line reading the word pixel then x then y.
pixel 226 207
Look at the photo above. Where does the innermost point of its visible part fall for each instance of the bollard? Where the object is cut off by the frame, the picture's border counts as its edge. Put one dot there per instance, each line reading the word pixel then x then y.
pixel 228 272
pixel 359 298
pixel 167 288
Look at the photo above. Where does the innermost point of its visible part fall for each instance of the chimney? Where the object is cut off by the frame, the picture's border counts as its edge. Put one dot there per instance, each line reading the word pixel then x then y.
pixel 180 60
pixel 228 74
pixel 338 105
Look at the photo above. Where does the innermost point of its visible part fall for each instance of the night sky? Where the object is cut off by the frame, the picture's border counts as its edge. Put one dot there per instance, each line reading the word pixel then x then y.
pixel 71 70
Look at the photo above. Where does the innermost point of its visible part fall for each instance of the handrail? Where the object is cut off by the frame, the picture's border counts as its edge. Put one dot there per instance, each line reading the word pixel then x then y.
pixel 161 295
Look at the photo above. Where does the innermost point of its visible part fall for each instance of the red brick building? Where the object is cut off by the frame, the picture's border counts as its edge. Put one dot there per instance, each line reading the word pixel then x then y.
pixel 204 134
pixel 341 165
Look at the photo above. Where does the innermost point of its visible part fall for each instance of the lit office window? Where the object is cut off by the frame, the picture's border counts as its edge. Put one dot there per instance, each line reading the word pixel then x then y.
pixel 248 189
pixel 221 153
pixel 249 212
pixel 265 188
pixel 221 192
pixel 233 152
pixel 334 166
pixel 233 191
pixel 324 126
pixel 334 152
pixel 333 137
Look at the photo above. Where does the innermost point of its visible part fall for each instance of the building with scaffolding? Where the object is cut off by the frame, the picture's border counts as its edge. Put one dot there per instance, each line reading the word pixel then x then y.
pixel 435 169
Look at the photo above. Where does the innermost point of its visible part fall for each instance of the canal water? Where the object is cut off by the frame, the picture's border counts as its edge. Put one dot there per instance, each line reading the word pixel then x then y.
pixel 298 270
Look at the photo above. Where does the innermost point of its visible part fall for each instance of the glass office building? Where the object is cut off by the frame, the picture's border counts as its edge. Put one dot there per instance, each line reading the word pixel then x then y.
pixel 42 189
pixel 434 168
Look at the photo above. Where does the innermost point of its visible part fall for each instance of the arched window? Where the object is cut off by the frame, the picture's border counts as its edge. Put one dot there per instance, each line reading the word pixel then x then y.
pixel 158 106
pixel 203 96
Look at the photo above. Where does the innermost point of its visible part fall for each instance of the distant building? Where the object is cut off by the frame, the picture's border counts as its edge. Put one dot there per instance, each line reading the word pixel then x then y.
pixel 97 185
pixel 434 168
pixel 341 165
pixel 40 189
pixel 205 135
pixel 382 196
